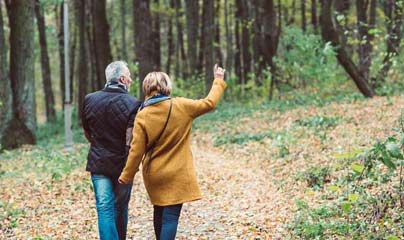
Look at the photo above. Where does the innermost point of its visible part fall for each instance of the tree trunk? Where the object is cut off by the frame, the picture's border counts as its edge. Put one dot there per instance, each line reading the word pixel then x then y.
pixel 60 36
pixel 330 34
pixel 82 78
pixel 170 41
pixel 229 39
pixel 292 18
pixel 5 90
pixel 101 40
pixel 192 14
pixel 237 52
pixel 257 51
pixel 202 42
pixel 21 129
pixel 180 50
pixel 314 14
pixel 242 14
pixel 270 39
pixel 46 73
pixel 218 50
pixel 303 9
pixel 90 48
pixel 365 23
pixel 142 21
pixel 124 49
pixel 208 32
pixel 394 12
pixel 156 38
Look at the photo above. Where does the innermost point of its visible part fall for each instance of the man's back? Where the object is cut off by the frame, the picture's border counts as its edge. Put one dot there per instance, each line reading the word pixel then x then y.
pixel 106 116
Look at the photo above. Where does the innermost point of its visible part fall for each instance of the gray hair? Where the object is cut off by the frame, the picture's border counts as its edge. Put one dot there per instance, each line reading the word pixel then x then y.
pixel 115 70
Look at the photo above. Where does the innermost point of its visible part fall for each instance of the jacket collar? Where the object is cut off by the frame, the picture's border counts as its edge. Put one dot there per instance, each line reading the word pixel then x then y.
pixel 154 99
pixel 115 87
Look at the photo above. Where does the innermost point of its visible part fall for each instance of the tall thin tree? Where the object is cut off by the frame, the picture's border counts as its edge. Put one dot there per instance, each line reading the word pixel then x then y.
pixel 5 90
pixel 170 39
pixel 192 14
pixel 60 37
pixel 393 11
pixel 83 73
pixel 366 20
pixel 101 40
pixel 46 72
pixel 22 127
pixel 208 32
pixel 156 35
pixel 142 21
pixel 314 20
pixel 303 11
pixel 123 49
pixel 331 34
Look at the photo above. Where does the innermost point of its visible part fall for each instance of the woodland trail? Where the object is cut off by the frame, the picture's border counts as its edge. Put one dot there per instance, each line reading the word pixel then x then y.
pixel 249 189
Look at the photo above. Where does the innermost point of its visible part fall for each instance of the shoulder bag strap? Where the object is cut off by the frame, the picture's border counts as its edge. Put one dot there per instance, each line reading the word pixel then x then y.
pixel 151 148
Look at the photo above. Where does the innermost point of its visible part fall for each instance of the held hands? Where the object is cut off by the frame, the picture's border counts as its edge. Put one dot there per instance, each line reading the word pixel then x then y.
pixel 218 72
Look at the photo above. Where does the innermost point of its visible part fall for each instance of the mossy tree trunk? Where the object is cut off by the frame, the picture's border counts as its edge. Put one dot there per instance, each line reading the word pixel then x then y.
pixel 21 129
pixel 5 90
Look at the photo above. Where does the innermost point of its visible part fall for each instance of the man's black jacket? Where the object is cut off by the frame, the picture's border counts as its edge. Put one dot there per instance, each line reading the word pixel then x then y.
pixel 106 115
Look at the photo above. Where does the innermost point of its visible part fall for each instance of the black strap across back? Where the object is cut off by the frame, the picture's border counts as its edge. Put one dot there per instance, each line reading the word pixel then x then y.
pixel 151 148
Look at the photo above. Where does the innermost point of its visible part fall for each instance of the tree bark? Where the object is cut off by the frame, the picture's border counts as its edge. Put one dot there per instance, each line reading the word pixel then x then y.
pixel 229 39
pixel 257 51
pixel 394 12
pixel 314 14
pixel 270 39
pixel 365 24
pixel 303 9
pixel 192 14
pixel 156 38
pixel 218 50
pixel 237 51
pixel 21 129
pixel 202 42
pixel 5 90
pixel 83 77
pixel 242 14
pixel 170 41
pixel 142 21
pixel 46 72
pixel 124 49
pixel 330 34
pixel 208 32
pixel 101 40
pixel 180 49
pixel 60 36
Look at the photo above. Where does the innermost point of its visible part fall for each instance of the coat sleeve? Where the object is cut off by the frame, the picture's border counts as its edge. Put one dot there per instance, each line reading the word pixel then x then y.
pixel 137 149
pixel 196 108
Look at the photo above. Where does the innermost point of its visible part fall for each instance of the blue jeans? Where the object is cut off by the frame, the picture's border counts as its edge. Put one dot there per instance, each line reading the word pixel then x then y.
pixel 112 201
pixel 165 221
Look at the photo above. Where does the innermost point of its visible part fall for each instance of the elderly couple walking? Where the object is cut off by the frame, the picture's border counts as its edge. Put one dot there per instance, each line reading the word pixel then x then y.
pixel 125 133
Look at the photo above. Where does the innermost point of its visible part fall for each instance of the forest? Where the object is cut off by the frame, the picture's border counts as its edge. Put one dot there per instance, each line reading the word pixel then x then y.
pixel 313 112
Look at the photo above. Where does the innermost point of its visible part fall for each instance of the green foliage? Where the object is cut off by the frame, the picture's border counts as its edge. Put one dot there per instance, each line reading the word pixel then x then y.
pixel 315 177
pixel 240 138
pixel 300 57
pixel 194 87
pixel 319 122
pixel 7 211
pixel 357 211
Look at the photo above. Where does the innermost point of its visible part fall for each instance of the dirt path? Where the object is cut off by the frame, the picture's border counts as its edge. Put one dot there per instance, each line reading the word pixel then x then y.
pixel 239 201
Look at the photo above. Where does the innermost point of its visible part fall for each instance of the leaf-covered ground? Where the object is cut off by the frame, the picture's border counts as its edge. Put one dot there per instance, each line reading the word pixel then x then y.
pixel 247 166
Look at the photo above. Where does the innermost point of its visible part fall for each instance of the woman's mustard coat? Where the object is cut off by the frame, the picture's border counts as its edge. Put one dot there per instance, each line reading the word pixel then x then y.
pixel 171 177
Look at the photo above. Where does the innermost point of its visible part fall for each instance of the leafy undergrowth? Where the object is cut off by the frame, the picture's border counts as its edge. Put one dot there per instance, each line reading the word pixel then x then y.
pixel 297 171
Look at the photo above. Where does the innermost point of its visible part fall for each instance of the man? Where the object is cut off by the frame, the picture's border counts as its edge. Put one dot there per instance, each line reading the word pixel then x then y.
pixel 107 117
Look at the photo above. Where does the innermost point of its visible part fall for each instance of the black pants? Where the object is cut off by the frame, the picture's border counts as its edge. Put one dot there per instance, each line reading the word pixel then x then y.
pixel 166 221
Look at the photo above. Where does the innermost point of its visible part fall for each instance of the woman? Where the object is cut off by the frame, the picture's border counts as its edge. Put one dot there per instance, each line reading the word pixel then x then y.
pixel 161 141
